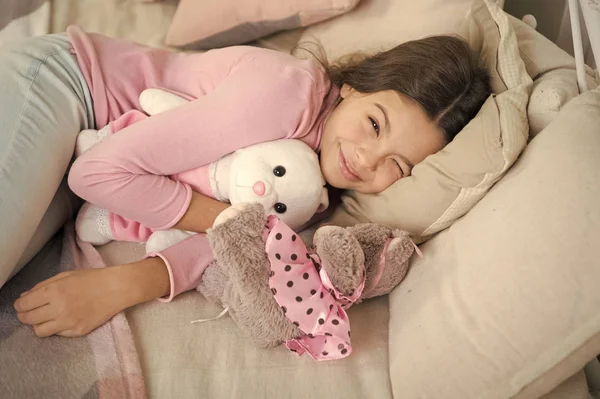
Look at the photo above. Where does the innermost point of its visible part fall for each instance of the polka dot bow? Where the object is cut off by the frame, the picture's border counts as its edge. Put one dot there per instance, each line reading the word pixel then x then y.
pixel 306 296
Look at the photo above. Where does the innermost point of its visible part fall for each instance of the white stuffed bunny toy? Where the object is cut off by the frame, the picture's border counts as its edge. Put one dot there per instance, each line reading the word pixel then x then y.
pixel 284 176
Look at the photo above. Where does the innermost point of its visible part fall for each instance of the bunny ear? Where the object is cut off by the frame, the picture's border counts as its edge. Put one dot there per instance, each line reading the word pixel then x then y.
pixel 324 200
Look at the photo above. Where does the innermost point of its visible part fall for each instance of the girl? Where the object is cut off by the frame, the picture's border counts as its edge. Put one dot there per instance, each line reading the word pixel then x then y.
pixel 371 120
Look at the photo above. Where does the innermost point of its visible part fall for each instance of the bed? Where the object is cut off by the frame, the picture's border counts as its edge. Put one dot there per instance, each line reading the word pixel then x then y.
pixel 157 353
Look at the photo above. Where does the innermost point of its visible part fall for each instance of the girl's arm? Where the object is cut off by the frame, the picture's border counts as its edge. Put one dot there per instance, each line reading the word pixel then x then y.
pixel 202 210
pixel 201 213
pixel 128 172
pixel 74 303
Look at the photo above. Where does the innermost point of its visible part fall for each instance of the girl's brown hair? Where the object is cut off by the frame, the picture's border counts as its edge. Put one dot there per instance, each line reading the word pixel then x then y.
pixel 441 73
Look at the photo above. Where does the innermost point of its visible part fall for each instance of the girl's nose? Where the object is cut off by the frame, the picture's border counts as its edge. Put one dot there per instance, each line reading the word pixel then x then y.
pixel 259 188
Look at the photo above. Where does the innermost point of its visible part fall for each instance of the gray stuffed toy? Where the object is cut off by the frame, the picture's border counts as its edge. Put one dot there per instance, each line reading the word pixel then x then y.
pixel 299 297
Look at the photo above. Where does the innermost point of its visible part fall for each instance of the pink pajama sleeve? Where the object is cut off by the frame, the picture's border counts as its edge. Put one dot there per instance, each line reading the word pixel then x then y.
pixel 185 262
pixel 128 172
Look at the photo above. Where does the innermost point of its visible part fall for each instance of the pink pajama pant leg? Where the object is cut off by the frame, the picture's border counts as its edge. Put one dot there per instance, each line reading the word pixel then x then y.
pixel 122 228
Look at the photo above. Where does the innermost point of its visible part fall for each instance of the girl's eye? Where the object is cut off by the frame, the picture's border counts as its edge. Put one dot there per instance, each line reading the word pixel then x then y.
pixel 375 125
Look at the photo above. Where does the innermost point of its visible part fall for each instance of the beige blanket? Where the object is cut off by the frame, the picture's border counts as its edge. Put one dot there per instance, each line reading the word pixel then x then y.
pixel 215 360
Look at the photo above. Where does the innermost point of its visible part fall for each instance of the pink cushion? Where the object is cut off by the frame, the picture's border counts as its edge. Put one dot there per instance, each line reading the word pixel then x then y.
pixel 207 24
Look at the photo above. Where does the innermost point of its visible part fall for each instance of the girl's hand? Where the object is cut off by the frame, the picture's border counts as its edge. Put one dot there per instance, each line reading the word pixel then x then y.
pixel 74 303
pixel 70 304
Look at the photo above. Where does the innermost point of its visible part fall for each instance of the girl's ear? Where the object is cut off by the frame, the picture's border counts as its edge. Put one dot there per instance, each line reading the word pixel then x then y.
pixel 346 91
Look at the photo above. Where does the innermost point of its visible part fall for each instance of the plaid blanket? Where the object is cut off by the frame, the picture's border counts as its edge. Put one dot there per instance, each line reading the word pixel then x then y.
pixel 103 364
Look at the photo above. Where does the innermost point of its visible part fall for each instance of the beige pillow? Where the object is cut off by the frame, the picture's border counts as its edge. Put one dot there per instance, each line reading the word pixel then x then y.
pixel 209 24
pixel 504 304
pixel 376 25
pixel 446 185
pixel 131 20
pixel 553 73
pixel 549 94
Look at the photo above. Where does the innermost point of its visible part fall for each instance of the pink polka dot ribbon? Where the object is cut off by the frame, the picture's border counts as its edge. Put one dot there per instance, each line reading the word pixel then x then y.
pixel 306 296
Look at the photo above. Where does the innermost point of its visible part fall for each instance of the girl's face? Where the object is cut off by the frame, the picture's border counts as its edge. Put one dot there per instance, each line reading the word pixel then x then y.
pixel 371 140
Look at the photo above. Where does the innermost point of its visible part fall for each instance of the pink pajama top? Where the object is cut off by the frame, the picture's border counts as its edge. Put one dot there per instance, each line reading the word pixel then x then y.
pixel 240 96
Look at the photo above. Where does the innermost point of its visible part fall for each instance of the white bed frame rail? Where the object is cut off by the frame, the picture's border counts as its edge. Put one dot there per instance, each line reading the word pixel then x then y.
pixel 591 15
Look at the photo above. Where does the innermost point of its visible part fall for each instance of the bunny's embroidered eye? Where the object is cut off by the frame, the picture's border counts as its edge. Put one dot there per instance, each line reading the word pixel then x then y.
pixel 280 208
pixel 279 171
